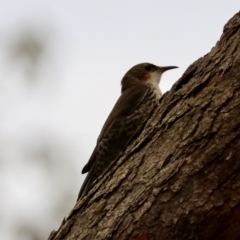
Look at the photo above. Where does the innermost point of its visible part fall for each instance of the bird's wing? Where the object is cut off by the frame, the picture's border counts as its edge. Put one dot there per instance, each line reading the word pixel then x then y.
pixel 127 103
pixel 129 100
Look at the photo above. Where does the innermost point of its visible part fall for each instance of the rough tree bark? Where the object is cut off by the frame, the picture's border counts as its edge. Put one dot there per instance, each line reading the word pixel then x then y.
pixel 180 179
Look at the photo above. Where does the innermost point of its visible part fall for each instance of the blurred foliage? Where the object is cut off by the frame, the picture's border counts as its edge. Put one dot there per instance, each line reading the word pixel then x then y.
pixel 26 49
pixel 38 162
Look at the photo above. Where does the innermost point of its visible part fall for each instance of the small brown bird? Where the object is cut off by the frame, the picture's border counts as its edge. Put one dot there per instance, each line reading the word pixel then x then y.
pixel 140 92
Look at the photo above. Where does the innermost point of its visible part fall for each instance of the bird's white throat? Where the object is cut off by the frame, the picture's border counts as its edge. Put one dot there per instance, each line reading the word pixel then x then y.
pixel 154 81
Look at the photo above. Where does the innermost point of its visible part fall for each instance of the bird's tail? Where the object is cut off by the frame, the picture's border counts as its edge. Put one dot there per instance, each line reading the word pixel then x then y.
pixel 87 183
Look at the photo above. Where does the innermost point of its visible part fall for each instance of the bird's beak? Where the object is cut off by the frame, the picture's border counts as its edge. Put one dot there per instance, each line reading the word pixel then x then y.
pixel 164 69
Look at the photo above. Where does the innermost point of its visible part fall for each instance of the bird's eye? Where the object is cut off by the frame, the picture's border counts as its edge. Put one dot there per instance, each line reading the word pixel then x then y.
pixel 148 67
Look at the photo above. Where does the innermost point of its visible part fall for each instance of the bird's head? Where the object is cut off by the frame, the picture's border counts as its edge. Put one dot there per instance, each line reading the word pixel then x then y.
pixel 144 73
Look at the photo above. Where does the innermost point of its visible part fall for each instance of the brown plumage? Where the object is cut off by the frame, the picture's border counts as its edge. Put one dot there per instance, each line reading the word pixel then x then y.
pixel 140 92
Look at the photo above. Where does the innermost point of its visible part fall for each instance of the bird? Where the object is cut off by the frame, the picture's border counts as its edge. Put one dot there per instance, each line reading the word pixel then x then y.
pixel 140 92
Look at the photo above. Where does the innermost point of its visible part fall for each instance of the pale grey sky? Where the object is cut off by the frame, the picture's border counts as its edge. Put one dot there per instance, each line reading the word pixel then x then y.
pixel 87 46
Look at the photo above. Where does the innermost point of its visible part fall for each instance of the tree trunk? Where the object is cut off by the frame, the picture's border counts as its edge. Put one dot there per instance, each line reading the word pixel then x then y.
pixel 180 179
